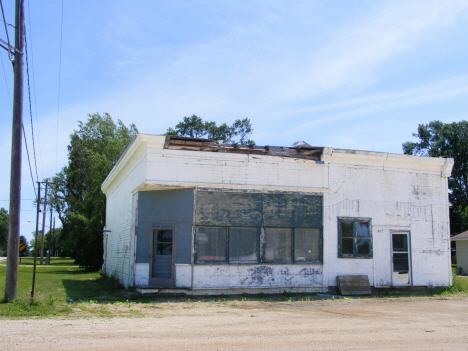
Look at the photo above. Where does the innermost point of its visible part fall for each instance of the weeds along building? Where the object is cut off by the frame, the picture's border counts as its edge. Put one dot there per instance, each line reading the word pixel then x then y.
pixel 218 218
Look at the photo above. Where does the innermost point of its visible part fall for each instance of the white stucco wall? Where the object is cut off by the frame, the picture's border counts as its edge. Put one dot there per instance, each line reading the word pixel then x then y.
pixel 119 246
pixel 397 192
pixel 395 201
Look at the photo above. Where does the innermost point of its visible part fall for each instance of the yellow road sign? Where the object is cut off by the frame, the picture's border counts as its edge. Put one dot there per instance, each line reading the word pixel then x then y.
pixel 21 246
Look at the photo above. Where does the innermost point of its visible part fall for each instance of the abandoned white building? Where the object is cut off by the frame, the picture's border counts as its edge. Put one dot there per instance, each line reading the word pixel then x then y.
pixel 218 218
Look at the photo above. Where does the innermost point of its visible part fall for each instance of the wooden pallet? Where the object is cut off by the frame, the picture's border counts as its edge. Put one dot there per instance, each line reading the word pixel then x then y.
pixel 353 285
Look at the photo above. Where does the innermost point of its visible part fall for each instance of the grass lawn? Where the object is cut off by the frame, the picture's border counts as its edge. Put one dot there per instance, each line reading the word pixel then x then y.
pixel 62 281
pixel 54 285
pixel 54 261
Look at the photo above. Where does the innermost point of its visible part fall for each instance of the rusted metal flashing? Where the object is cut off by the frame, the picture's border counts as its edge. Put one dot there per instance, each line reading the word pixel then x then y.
pixel 197 144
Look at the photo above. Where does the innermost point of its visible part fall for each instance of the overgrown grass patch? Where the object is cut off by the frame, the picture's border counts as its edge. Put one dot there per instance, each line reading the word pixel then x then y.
pixel 57 290
pixel 459 287
pixel 40 306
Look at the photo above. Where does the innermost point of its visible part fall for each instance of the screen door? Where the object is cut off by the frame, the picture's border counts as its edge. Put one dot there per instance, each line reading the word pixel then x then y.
pixel 162 258
pixel 401 270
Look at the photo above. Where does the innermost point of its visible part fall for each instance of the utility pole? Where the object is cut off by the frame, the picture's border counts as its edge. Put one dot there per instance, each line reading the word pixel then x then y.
pixel 49 253
pixel 38 210
pixel 11 283
pixel 43 220
pixel 55 241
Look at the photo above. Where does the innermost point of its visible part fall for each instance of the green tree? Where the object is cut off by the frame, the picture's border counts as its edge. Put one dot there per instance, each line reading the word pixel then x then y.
pixel 195 127
pixel 438 139
pixel 4 220
pixel 76 191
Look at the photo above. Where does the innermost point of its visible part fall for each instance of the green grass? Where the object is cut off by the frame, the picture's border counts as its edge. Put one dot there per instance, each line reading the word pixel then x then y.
pixel 53 286
pixel 90 294
pixel 54 261
pixel 459 287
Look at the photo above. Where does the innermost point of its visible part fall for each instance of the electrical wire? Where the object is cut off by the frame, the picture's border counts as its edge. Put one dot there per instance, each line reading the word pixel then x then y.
pixel 30 105
pixel 6 31
pixel 24 132
pixel 8 24
pixel 58 97
pixel 34 88
pixel 6 80
pixel 29 162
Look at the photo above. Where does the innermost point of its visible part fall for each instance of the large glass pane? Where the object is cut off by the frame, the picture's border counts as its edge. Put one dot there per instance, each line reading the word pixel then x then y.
pixel 243 245
pixel 400 242
pixel 347 246
pixel 362 229
pixel 278 245
pixel 211 244
pixel 363 247
pixel 307 245
pixel 347 229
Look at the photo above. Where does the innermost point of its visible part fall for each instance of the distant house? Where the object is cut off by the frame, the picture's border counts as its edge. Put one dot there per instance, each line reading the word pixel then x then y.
pixel 219 218
pixel 462 251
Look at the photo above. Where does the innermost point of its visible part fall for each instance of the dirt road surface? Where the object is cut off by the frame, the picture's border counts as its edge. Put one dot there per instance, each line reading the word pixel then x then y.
pixel 368 324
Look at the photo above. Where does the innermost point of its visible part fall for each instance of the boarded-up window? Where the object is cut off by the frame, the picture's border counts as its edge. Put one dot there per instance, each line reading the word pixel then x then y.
pixel 243 245
pixel 232 209
pixel 226 209
pixel 307 246
pixel 229 227
pixel 292 210
pixel 278 245
pixel 211 244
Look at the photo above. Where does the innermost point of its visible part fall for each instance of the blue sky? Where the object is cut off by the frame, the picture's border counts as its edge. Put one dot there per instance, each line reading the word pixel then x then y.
pixel 344 74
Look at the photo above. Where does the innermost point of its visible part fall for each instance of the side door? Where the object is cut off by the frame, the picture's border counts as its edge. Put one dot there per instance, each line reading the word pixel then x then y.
pixel 162 258
pixel 401 259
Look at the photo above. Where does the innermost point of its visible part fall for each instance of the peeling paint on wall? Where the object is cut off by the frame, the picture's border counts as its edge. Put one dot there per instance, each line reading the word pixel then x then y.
pixel 264 276
pixel 433 252
pixel 257 275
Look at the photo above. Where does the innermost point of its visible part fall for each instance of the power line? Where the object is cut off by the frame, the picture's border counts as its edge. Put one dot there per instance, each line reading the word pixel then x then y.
pixel 30 108
pixel 6 80
pixel 3 20
pixel 29 161
pixel 6 31
pixel 58 97
pixel 8 24
pixel 24 132
pixel 34 87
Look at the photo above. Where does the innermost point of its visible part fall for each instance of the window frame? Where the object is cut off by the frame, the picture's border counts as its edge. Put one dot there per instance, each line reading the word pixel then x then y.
pixel 355 220
pixel 291 251
pixel 320 261
pixel 261 246
pixel 257 241
pixel 226 253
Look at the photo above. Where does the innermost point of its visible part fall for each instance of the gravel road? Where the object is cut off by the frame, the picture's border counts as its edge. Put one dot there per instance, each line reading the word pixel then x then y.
pixel 364 324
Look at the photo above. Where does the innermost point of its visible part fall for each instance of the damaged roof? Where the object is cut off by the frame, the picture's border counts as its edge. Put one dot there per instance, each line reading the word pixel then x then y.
pixel 298 150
